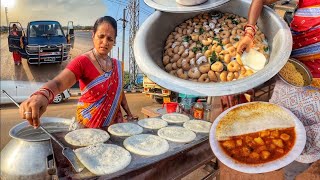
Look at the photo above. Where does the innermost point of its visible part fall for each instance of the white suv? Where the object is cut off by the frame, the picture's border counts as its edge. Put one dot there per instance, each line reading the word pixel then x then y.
pixel 21 90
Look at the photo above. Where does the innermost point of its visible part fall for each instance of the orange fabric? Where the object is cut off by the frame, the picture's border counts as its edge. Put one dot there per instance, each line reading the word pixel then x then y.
pixel 99 104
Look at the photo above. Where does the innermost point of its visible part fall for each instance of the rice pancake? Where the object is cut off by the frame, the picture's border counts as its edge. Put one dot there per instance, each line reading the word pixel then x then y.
pixel 251 118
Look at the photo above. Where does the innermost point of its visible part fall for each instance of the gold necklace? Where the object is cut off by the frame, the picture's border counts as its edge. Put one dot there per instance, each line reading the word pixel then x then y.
pixel 98 60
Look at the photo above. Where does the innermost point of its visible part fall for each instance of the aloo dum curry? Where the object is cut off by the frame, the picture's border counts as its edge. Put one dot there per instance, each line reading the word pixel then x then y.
pixel 260 147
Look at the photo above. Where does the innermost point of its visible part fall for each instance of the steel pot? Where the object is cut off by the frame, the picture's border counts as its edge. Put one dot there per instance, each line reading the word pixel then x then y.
pixel 150 40
pixel 28 155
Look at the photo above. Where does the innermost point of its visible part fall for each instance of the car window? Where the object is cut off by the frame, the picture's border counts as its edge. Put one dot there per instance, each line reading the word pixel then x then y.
pixel 40 29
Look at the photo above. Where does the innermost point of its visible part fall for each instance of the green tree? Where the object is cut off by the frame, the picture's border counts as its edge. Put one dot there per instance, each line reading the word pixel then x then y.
pixel 126 77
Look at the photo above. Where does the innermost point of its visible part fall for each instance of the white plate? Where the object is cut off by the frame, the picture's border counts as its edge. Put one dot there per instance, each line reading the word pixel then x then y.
pixel 259 168
pixel 172 6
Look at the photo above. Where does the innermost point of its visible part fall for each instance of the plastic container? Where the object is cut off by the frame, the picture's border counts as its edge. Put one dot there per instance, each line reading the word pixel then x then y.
pixel 171 107
pixel 198 110
pixel 207 112
pixel 187 100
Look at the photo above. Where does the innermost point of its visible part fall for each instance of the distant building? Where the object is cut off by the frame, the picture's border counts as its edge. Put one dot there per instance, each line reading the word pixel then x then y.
pixel 3 29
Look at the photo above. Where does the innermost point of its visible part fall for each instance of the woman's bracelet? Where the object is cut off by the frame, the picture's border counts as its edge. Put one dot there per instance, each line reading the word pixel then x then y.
pixel 250 30
pixel 249 35
pixel 252 27
pixel 50 93
pixel 41 93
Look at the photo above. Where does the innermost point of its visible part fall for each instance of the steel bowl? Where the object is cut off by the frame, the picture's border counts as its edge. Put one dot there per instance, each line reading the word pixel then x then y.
pixel 306 74
pixel 174 7
pixel 151 37
pixel 28 155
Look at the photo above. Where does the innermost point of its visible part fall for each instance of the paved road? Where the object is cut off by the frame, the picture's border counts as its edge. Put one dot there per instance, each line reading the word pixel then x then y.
pixel 44 72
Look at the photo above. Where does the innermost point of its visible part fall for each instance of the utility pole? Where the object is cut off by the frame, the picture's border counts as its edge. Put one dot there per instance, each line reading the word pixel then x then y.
pixel 123 32
pixel 118 52
pixel 134 8
pixel 123 40
pixel 6 11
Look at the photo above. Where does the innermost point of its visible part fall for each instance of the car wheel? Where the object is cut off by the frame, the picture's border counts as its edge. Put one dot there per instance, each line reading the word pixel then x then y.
pixel 58 98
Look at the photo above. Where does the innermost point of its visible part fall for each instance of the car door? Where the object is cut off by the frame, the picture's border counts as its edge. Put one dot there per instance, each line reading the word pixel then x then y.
pixel 70 33
pixel 15 42
pixel 15 89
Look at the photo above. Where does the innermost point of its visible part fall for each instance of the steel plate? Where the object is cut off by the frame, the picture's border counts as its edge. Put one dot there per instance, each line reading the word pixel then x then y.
pixel 264 167
pixel 172 6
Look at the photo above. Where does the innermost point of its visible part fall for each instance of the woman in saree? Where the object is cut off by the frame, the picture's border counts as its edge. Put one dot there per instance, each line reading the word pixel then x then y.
pixel 304 102
pixel 100 79
pixel 15 54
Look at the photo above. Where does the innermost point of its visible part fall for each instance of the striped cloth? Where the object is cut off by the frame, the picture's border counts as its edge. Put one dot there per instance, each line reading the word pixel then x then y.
pixel 305 102
pixel 305 28
pixel 99 105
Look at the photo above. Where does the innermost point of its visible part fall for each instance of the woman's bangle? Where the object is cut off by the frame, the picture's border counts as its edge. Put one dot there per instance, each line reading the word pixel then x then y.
pixel 249 29
pixel 249 35
pixel 46 92
pixel 249 26
pixel 42 93
pixel 51 94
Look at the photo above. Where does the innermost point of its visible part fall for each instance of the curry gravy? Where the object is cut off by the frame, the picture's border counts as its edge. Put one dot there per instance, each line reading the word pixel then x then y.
pixel 260 147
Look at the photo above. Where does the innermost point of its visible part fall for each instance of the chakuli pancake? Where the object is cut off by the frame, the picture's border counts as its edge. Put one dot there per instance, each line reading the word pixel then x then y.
pixel 251 118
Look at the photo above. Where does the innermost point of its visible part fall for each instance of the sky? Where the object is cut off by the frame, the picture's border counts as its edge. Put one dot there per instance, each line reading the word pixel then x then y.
pixel 81 12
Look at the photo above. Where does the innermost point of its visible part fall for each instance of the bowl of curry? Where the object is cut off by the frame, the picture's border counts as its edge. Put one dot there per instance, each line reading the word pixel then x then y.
pixel 257 137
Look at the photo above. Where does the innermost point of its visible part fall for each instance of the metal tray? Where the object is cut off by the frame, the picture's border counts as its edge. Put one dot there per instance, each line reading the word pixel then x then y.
pixel 138 163
pixel 172 6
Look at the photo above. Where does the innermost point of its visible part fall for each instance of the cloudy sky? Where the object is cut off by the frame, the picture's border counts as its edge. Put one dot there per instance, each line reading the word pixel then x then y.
pixel 81 12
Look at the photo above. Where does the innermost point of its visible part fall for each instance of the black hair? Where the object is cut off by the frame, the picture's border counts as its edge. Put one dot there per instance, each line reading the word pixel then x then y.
pixel 107 19
pixel 14 25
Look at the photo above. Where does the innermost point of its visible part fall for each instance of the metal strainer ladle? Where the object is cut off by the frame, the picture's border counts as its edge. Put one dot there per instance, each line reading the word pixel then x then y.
pixel 66 151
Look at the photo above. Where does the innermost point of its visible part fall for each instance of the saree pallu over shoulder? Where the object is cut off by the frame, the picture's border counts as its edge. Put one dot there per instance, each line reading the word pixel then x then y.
pixel 100 100
pixel 305 28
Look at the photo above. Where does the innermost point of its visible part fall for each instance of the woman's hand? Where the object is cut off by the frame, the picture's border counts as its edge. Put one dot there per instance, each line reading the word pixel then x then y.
pixel 245 44
pixel 32 108
pixel 131 117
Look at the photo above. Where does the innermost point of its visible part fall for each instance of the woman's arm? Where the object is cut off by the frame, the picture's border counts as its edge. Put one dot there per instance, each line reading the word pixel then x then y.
pixel 61 82
pixel 125 106
pixel 37 104
pixel 255 10
pixel 253 15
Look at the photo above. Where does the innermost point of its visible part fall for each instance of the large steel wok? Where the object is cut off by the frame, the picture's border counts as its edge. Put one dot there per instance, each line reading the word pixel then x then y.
pixel 151 37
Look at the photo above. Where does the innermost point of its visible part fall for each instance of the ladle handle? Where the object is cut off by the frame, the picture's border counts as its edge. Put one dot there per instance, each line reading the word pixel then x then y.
pixel 15 102
pixel 52 137
pixel 42 128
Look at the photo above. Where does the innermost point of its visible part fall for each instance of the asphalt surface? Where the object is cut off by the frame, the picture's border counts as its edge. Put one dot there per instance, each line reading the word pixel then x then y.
pixel 44 72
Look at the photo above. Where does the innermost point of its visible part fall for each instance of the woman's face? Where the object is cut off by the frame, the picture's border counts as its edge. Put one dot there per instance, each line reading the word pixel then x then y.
pixel 104 38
